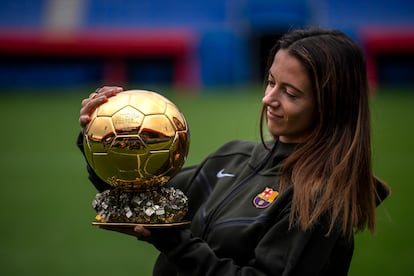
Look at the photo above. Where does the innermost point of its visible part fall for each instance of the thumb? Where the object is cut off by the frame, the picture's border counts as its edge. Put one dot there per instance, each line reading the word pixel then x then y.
pixel 142 231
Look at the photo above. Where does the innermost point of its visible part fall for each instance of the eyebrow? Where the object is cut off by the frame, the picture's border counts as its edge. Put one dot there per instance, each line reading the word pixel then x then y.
pixel 289 85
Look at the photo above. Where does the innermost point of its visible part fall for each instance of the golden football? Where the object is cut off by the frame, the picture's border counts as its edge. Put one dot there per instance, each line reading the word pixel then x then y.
pixel 137 140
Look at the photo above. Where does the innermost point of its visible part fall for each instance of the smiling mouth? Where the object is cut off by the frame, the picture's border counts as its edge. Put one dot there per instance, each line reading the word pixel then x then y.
pixel 272 115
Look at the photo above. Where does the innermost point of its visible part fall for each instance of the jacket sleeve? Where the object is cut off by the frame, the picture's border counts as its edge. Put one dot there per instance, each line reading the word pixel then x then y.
pixel 279 252
pixel 99 184
pixel 186 181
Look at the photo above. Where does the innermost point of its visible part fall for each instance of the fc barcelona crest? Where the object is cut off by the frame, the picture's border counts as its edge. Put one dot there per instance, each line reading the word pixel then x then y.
pixel 265 198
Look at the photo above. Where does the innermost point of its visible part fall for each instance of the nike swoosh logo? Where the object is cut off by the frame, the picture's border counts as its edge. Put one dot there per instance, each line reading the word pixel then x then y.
pixel 222 174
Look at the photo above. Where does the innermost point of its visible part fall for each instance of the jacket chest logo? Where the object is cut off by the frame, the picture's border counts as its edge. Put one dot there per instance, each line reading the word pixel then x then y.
pixel 265 198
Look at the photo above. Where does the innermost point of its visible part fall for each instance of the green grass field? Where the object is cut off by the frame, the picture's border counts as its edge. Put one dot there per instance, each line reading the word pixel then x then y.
pixel 45 201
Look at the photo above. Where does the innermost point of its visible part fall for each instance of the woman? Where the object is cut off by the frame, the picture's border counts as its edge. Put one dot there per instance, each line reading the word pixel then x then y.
pixel 289 206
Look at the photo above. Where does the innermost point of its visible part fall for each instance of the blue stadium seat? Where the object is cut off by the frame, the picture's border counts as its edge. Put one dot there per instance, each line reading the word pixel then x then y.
pixel 155 13
pixel 268 15
pixel 352 14
pixel 22 13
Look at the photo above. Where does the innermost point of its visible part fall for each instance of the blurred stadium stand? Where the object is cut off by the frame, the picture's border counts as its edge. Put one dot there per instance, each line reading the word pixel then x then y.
pixel 385 29
pixel 185 43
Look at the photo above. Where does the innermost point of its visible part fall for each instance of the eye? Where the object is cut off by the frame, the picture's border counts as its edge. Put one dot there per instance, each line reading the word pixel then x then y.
pixel 270 82
pixel 289 94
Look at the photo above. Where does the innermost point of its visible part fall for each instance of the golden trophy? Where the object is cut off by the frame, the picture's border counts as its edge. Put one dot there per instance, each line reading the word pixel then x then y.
pixel 136 142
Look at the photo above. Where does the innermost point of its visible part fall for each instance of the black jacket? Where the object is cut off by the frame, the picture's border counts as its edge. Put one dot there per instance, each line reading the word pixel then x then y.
pixel 235 230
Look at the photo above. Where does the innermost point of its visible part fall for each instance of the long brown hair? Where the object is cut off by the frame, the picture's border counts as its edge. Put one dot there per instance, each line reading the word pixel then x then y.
pixel 331 172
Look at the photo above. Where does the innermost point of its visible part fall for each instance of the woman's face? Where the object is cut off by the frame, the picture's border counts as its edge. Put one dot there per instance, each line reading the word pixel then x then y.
pixel 289 101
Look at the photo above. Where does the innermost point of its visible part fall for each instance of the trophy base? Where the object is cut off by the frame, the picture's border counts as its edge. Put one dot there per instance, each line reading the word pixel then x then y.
pixel 146 225
pixel 165 205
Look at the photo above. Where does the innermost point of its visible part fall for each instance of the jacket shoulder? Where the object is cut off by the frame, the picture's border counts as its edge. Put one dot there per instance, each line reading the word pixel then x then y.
pixel 236 147
pixel 238 150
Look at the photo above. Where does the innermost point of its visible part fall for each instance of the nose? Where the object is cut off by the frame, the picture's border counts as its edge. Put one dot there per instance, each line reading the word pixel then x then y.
pixel 271 97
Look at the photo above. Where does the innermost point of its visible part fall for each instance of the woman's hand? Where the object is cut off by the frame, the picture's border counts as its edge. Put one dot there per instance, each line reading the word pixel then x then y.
pixel 164 238
pixel 138 231
pixel 94 100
